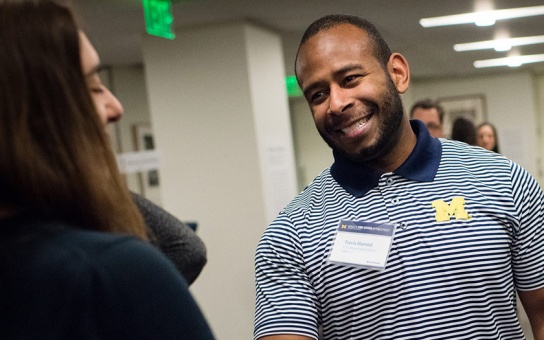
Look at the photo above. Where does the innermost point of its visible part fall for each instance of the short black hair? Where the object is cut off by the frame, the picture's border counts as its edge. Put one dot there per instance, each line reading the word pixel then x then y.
pixel 428 104
pixel 381 50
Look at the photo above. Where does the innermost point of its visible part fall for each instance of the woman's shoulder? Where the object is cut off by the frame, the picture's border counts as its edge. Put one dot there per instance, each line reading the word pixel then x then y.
pixel 117 283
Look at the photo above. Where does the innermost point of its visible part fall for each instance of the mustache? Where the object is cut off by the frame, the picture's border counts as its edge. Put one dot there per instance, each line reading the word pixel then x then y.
pixel 336 120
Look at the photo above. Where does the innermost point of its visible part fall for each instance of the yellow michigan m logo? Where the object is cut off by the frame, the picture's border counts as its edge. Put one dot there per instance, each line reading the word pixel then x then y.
pixel 445 210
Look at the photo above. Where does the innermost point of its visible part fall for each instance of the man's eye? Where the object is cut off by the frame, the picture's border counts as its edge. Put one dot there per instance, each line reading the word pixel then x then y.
pixel 317 97
pixel 349 79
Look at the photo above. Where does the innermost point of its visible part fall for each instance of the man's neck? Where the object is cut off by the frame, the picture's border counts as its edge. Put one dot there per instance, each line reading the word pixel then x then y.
pixel 399 153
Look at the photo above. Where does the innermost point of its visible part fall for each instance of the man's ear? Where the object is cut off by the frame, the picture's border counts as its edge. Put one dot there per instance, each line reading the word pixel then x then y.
pixel 399 71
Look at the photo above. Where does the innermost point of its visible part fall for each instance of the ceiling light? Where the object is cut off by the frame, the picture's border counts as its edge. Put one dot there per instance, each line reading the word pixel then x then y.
pixel 510 61
pixel 502 46
pixel 514 62
pixel 482 18
pixel 499 44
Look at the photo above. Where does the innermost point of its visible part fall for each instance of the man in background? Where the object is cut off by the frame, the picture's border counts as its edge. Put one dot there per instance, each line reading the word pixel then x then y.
pixel 431 114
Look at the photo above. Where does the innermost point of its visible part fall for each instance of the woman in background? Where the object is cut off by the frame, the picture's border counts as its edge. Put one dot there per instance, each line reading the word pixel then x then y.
pixel 486 137
pixel 74 262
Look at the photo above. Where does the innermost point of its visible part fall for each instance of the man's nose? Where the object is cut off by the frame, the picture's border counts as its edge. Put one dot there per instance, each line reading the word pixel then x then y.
pixel 339 100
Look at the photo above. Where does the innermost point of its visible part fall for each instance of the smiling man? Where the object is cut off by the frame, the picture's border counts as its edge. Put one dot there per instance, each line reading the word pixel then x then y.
pixel 405 236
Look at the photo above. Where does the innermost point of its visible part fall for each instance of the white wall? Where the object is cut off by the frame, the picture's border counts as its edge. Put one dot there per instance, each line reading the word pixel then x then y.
pixel 219 110
pixel 313 154
pixel 128 84
pixel 272 119
pixel 539 98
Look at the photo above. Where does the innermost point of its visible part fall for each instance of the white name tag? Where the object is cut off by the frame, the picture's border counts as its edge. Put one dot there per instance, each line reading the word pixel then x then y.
pixel 362 244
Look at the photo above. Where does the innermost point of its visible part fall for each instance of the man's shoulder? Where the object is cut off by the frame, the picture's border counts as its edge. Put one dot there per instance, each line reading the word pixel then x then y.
pixel 488 166
pixel 452 149
pixel 319 190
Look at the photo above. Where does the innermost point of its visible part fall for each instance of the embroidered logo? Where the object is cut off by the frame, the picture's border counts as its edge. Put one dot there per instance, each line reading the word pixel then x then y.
pixel 444 211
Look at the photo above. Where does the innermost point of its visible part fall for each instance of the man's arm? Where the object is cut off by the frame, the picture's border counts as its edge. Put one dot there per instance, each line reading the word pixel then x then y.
pixel 533 303
pixel 286 307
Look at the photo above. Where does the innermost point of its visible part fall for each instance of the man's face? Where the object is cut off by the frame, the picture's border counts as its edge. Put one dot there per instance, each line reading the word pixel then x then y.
pixel 107 106
pixel 431 118
pixel 355 105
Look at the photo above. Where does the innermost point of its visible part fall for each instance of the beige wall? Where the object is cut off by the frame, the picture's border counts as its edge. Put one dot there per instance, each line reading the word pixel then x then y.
pixel 220 114
pixel 511 107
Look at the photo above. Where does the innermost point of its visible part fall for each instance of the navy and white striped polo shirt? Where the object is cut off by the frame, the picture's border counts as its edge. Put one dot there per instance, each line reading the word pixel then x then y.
pixel 469 233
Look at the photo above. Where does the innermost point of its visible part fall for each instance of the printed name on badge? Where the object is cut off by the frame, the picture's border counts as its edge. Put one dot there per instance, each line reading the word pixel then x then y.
pixel 362 244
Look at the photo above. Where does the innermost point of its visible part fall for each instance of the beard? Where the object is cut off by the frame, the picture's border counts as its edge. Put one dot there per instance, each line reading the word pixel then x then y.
pixel 390 114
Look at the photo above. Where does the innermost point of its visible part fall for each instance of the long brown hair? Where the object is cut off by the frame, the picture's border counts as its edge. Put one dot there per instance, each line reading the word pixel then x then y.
pixel 55 158
pixel 495 135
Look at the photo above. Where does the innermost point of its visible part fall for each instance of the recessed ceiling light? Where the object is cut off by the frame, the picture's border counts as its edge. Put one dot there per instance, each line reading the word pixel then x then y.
pixel 499 44
pixel 483 17
pixel 510 61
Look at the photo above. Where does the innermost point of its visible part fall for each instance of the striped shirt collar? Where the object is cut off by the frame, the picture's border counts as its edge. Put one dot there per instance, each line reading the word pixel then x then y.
pixel 421 165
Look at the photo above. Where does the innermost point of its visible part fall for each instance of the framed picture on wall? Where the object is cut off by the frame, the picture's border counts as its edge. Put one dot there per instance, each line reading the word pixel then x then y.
pixel 149 180
pixel 473 107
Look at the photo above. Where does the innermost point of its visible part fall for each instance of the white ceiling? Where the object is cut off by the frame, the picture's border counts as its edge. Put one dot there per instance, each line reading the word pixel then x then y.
pixel 116 27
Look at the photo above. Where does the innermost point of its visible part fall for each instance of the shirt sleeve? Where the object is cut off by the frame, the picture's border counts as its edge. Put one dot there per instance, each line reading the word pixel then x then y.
pixel 528 246
pixel 286 302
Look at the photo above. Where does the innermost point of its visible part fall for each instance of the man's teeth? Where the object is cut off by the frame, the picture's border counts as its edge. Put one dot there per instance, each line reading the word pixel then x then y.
pixel 357 125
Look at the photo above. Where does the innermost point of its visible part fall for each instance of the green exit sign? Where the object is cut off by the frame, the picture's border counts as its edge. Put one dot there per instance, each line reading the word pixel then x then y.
pixel 158 18
pixel 293 90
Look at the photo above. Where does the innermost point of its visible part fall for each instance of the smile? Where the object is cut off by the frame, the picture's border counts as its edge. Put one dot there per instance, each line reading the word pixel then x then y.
pixel 358 125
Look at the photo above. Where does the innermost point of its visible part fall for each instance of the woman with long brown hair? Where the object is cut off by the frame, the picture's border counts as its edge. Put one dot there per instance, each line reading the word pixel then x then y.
pixel 487 137
pixel 74 262
pixel 54 155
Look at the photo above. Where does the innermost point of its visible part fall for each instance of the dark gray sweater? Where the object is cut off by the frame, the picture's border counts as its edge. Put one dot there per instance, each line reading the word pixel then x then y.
pixel 174 238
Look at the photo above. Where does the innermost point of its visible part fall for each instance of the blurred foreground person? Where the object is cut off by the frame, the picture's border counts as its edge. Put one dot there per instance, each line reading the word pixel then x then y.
pixel 175 239
pixel 74 260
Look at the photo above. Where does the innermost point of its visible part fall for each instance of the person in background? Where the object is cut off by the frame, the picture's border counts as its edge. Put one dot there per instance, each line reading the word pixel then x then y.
pixel 74 258
pixel 405 236
pixel 486 137
pixel 431 114
pixel 464 130
pixel 179 242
